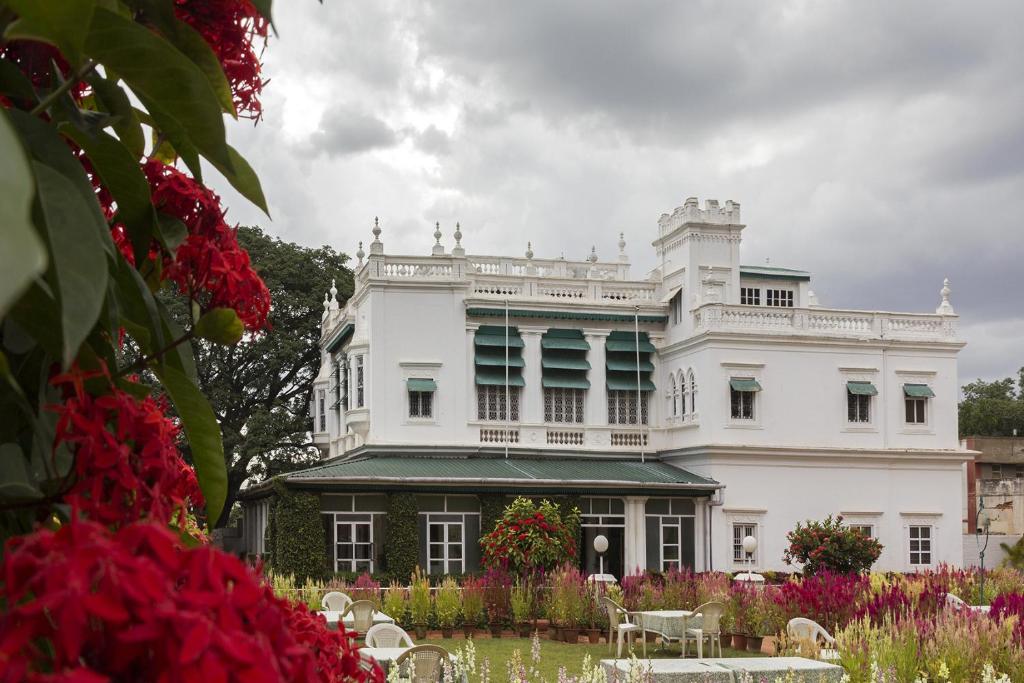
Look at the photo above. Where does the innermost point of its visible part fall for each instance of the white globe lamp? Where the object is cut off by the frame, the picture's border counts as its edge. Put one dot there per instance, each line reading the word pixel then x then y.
pixel 601 547
pixel 749 548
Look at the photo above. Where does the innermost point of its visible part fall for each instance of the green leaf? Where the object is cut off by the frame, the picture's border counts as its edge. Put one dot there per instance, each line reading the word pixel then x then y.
pixel 111 98
pixel 79 266
pixel 203 433
pixel 15 483
pixel 172 232
pixel 157 71
pixel 23 255
pixel 59 22
pixel 176 140
pixel 13 82
pixel 244 179
pixel 139 313
pixel 180 357
pixel 263 7
pixel 123 177
pixel 220 325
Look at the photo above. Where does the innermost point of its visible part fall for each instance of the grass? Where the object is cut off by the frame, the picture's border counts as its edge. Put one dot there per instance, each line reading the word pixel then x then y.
pixel 556 654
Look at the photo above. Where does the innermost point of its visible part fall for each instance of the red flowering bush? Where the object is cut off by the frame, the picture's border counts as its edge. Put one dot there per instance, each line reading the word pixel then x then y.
pixel 1010 605
pixel 127 464
pixel 826 597
pixel 530 538
pixel 90 604
pixel 829 545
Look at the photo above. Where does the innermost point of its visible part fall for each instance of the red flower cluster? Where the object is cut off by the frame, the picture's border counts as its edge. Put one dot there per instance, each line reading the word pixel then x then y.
pixel 525 541
pixel 230 27
pixel 210 265
pixel 34 59
pixel 87 604
pixel 127 464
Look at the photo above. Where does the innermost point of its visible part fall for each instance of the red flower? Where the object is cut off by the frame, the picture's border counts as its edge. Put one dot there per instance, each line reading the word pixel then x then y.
pixel 89 604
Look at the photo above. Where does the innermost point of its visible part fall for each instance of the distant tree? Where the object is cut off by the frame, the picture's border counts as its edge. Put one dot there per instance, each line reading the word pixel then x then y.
pixel 260 388
pixel 993 408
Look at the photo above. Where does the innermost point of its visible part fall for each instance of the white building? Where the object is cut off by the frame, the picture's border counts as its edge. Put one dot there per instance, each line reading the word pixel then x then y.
pixel 759 408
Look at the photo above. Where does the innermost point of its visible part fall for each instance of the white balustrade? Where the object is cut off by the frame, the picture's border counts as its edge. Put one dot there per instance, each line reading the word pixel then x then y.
pixel 635 439
pixel 491 435
pixel 562 437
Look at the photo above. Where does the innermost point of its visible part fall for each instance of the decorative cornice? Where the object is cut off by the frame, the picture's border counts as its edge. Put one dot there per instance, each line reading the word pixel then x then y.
pixel 564 315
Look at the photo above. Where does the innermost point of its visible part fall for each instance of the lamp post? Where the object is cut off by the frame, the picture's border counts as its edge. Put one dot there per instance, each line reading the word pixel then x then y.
pixel 984 524
pixel 601 547
pixel 749 548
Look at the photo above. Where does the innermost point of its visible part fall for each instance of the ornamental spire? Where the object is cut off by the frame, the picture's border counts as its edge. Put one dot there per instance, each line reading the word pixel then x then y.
pixel 360 254
pixel 376 246
pixel 438 248
pixel 458 250
pixel 945 308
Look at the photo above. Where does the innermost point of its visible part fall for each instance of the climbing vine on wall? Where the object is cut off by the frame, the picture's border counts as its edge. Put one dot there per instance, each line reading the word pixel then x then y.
pixel 298 535
pixel 401 537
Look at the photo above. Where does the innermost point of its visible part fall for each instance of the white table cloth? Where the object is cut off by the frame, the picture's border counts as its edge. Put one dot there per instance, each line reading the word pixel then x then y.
pixel 727 669
pixel 332 617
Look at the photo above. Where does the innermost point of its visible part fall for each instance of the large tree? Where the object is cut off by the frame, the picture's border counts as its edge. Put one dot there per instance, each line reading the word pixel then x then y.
pixel 260 388
pixel 993 408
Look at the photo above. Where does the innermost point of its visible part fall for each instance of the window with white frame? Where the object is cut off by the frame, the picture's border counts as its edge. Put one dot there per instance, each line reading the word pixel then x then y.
pixel 353 536
pixel 449 533
pixel 684 398
pixel 670 533
pixel 622 407
pixel 865 530
pixel 360 393
pixel 858 407
pixel 692 382
pixel 343 367
pixel 741 530
pixel 445 546
pixel 750 296
pixel 741 402
pixel 564 406
pixel 920 544
pixel 676 306
pixel 421 404
pixel 916 410
pixel 321 402
pixel 674 396
pixel 496 403
pixel 779 297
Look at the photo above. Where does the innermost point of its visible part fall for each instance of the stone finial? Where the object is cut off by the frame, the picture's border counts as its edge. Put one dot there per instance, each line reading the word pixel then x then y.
pixel 327 305
pixel 561 257
pixel 376 246
pixel 812 299
pixel 334 295
pixel 593 255
pixel 622 248
pixel 360 254
pixel 529 250
pixel 945 308
pixel 458 250
pixel 438 248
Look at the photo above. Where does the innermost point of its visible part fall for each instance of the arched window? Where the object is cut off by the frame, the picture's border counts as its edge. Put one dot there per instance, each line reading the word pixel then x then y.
pixel 682 385
pixel 674 397
pixel 692 386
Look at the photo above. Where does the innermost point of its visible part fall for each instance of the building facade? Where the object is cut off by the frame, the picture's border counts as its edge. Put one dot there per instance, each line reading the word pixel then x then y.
pixel 681 412
pixel 995 480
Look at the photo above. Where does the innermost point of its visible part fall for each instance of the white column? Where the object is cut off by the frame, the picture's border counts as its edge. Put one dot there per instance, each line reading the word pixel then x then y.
pixel 597 398
pixel 636 534
pixel 470 384
pixel 532 409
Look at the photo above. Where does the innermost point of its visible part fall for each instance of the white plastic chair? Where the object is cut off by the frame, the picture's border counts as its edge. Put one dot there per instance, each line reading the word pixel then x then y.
pixel 620 625
pixel 335 602
pixel 710 628
pixel 362 615
pixel 955 602
pixel 807 630
pixel 388 635
pixel 422 663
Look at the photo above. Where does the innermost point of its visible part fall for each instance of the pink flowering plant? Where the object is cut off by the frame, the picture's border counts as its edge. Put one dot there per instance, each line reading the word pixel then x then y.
pixel 830 545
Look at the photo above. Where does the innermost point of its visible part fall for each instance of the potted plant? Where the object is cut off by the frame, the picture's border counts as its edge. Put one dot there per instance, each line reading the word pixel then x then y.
pixel 767 624
pixel 446 606
pixel 497 585
pixel 472 605
pixel 396 601
pixel 521 601
pixel 419 603
pixel 569 584
pixel 738 608
pixel 592 612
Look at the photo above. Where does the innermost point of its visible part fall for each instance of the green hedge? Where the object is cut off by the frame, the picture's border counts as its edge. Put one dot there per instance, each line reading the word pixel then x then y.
pixel 401 537
pixel 492 507
pixel 297 535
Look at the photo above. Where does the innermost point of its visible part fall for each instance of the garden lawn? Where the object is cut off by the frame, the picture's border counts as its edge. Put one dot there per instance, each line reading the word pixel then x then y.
pixel 556 654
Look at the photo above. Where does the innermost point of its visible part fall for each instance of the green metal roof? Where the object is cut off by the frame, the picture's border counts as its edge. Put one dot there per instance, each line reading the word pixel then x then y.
pixel 563 343
pixel 574 381
pixel 340 338
pixel 514 341
pixel 773 273
pixel 629 345
pixel 419 384
pixel 564 363
pixel 519 473
pixel 741 384
pixel 628 364
pixel 627 382
pixel 498 360
pixel 861 388
pixel 492 377
pixel 918 391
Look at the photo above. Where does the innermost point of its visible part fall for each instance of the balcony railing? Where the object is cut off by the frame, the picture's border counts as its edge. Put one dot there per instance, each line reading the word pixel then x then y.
pixel 824 322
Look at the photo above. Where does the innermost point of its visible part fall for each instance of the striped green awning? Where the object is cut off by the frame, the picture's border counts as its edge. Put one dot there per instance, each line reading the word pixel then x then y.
pixel 861 388
pixel 564 363
pixel 627 382
pixel 420 384
pixel 514 341
pixel 629 345
pixel 744 384
pixel 918 391
pixel 494 377
pixel 560 381
pixel 547 342
pixel 498 359
pixel 628 364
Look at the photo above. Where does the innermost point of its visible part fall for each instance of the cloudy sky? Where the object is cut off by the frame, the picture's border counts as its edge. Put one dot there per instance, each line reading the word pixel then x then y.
pixel 879 145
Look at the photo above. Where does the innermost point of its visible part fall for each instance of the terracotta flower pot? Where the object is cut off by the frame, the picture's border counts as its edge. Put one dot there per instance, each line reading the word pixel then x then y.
pixel 571 635
pixel 769 645
pixel 495 630
pixel 594 635
pixel 421 631
pixel 467 632
pixel 739 641
pixel 554 632
pixel 446 632
pixel 754 643
pixel 524 629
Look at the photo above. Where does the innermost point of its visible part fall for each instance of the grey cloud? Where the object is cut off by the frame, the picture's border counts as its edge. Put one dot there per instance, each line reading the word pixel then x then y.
pixel 433 141
pixel 346 133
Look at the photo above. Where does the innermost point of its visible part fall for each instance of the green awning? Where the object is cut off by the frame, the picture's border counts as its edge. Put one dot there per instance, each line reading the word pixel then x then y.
pixel 571 381
pixel 627 382
pixel 744 384
pixel 498 360
pixel 420 384
pixel 346 331
pixel 564 363
pixel 547 342
pixel 491 377
pixel 628 364
pixel 918 391
pixel 861 388
pixel 629 345
pixel 514 341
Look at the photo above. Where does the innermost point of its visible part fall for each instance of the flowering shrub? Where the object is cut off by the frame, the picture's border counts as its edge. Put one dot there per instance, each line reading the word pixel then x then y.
pixel 830 545
pixel 365 588
pixel 1010 607
pixel 828 598
pixel 529 539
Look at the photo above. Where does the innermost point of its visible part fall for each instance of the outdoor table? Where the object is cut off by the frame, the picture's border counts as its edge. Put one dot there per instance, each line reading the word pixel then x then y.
pixel 726 670
pixel 670 624
pixel 333 616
